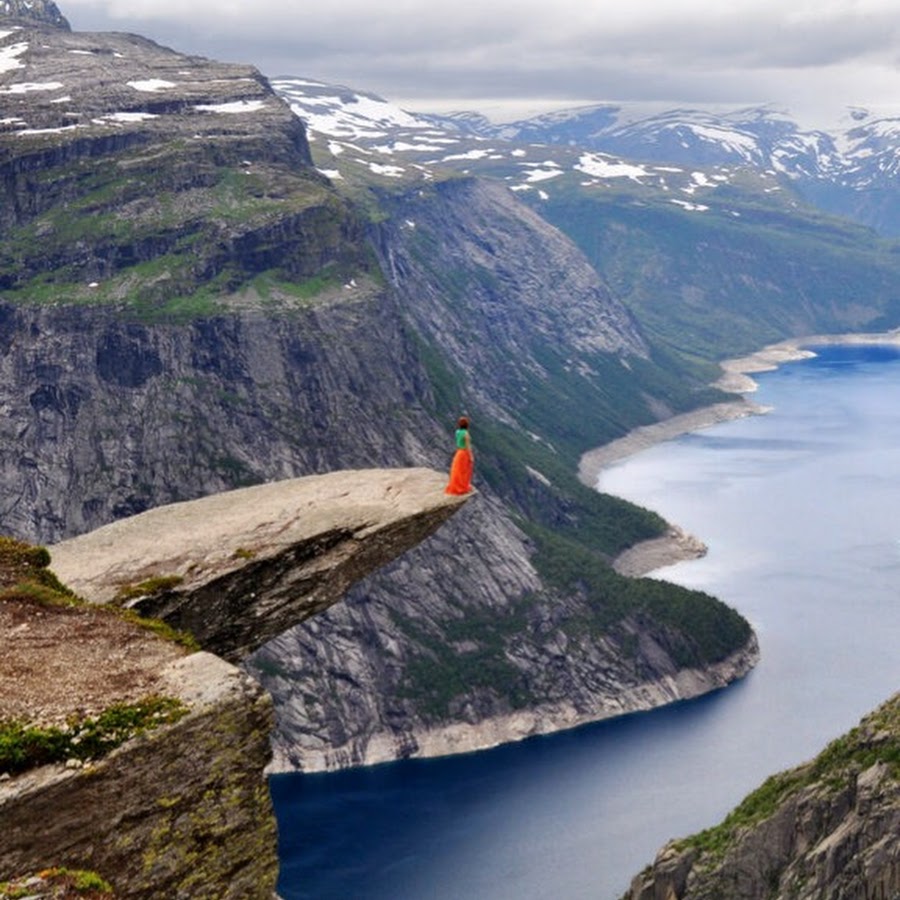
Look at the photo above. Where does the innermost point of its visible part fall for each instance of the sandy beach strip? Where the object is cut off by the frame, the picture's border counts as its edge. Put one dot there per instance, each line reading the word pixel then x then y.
pixel 677 545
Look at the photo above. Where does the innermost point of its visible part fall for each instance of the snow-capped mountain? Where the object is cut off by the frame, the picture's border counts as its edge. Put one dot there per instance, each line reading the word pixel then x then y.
pixel 761 137
pixel 848 168
pixel 356 135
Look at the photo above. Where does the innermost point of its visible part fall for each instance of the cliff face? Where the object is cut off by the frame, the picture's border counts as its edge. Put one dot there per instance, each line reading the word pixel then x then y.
pixel 105 417
pixel 155 820
pixel 460 252
pixel 134 175
pixel 827 830
pixel 190 307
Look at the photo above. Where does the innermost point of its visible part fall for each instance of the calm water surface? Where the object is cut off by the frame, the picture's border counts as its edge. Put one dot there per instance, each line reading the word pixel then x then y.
pixel 800 510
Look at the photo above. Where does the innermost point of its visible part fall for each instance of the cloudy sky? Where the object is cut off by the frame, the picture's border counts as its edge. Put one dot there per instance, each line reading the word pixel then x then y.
pixel 509 57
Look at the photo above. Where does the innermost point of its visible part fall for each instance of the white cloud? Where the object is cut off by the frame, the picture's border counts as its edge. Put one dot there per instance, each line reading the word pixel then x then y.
pixel 475 55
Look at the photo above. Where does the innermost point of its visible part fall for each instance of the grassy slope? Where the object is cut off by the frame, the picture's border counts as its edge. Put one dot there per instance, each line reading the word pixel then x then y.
pixel 742 274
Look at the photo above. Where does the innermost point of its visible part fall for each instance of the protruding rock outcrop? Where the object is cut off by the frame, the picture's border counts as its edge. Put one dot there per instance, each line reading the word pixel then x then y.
pixel 183 810
pixel 827 830
pixel 239 568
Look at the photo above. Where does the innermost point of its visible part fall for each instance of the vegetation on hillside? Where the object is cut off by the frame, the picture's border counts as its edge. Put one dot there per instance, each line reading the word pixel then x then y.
pixel 58 883
pixel 25 579
pixel 83 738
pixel 876 740
pixel 576 532
pixel 741 274
pixel 173 235
pixel 25 576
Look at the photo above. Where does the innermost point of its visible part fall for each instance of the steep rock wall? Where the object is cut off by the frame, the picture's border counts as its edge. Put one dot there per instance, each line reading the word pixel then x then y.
pixel 104 416
pixel 827 830
pixel 181 812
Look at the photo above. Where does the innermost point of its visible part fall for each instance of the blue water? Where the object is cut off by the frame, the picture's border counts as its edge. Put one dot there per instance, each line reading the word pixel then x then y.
pixel 800 510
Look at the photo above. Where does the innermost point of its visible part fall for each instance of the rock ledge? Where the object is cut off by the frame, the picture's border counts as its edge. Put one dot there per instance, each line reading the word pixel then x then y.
pixel 243 566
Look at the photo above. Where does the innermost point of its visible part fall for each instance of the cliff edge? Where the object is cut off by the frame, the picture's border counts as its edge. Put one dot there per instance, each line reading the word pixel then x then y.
pixel 239 568
pixel 826 830
pixel 182 809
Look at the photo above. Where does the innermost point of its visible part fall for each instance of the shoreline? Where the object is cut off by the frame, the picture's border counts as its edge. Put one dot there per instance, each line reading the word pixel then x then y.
pixel 677 545
pixel 467 737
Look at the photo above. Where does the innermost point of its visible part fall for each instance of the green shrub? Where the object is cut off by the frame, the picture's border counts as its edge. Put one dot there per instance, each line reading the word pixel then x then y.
pixel 159 584
pixel 65 883
pixel 24 746
pixel 24 574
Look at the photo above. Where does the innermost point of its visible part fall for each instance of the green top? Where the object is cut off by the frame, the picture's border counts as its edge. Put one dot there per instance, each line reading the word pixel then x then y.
pixel 461 434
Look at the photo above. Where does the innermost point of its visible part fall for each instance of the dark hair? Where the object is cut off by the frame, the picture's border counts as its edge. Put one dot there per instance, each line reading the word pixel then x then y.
pixel 463 422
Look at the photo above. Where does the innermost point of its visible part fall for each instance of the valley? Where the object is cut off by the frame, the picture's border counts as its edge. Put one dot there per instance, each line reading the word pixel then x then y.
pixel 212 281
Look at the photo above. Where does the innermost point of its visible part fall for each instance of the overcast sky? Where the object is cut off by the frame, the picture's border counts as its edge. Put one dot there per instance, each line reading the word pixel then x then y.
pixel 506 57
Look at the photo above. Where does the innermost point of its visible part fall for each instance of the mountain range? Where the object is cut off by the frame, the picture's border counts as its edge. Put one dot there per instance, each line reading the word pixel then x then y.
pixel 212 279
pixel 848 168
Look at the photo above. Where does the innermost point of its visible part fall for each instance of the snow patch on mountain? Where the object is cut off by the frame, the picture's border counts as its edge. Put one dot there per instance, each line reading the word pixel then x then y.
pixel 232 107
pixel 599 166
pixel 9 55
pixel 357 126
pixel 542 171
pixel 338 112
pixel 690 207
pixel 151 85
pixel 26 87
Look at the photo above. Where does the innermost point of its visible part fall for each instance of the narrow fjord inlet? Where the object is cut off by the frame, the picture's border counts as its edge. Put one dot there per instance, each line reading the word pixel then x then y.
pixel 241 314
pixel 799 509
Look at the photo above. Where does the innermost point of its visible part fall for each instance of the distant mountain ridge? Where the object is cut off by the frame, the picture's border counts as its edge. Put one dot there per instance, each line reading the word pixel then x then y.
pixel 43 11
pixel 847 169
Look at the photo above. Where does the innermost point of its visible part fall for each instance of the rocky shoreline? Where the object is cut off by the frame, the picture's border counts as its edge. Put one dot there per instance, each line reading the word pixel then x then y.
pixel 468 737
pixel 676 545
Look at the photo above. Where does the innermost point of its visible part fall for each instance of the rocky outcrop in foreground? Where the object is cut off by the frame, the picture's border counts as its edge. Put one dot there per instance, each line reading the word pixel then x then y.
pixel 183 810
pixel 239 568
pixel 827 830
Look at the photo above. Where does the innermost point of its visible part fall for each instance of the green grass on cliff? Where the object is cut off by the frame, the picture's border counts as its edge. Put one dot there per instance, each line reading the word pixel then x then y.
pixel 471 653
pixel 177 235
pixel 58 883
pixel 26 579
pixel 702 630
pixel 467 658
pixel 24 746
pixel 876 740
pixel 25 576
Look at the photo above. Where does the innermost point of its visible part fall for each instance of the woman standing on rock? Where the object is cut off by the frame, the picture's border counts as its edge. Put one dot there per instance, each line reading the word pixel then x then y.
pixel 463 461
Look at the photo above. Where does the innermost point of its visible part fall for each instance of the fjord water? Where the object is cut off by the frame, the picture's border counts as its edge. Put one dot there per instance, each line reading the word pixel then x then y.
pixel 800 510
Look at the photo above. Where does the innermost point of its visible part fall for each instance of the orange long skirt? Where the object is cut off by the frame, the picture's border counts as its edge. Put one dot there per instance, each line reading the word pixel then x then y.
pixel 460 473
